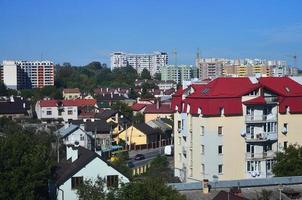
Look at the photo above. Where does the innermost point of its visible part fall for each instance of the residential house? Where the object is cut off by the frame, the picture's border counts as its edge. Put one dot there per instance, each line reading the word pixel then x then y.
pixel 157 110
pixel 98 129
pixel 249 119
pixel 138 108
pixel 82 164
pixel 65 109
pixel 139 134
pixel 71 93
pixel 72 134
pixel 14 107
pixel 116 119
pixel 106 100
pixel 165 131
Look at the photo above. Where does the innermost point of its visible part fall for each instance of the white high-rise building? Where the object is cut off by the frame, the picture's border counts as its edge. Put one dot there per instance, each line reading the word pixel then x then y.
pixel 152 62
pixel 27 74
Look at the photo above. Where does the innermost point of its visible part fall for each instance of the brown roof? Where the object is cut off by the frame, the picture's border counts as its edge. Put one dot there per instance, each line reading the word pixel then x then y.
pixel 71 90
pixel 223 195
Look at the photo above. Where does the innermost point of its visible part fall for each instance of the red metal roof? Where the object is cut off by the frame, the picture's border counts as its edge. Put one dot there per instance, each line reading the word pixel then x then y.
pixel 138 106
pixel 282 86
pixel 72 102
pixel 224 95
pixel 255 101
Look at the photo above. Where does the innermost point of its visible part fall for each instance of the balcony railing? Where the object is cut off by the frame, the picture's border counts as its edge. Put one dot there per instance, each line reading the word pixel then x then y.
pixel 260 118
pixel 263 155
pixel 261 137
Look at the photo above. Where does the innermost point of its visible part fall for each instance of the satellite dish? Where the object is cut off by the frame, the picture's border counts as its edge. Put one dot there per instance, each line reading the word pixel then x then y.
pixel 76 144
pixel 243 133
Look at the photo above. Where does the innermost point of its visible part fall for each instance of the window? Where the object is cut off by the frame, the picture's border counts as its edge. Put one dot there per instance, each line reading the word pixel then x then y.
pixel 202 169
pixel 69 112
pixel 285 145
pixel 182 123
pixel 82 137
pixel 202 130
pixel 219 130
pixel 179 124
pixel 202 149
pixel 76 181
pixel 112 181
pixel 220 149
pixel 219 169
pixel 285 126
pixel 248 148
pixel 48 112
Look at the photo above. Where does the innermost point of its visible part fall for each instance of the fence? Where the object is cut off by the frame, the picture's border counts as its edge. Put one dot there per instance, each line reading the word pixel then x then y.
pixel 152 145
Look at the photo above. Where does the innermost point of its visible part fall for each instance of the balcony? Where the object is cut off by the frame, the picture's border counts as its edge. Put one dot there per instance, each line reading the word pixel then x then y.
pixel 260 118
pixel 260 156
pixel 261 137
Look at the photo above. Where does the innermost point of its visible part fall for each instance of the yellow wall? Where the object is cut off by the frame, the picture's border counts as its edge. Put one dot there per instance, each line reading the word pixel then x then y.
pixel 134 136
pixel 149 117
pixel 294 134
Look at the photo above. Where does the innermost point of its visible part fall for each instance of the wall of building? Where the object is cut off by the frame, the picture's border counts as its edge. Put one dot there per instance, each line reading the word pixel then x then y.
pixel 134 136
pixel 95 168
pixel 152 116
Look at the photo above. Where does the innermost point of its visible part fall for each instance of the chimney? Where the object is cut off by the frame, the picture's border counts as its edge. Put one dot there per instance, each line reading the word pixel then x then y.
pixel 11 98
pixel 111 95
pixel 107 89
pixel 24 105
pixel 72 152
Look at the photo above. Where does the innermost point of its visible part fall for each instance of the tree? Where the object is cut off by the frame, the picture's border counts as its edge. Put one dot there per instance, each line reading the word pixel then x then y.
pixel 92 189
pixel 3 89
pixel 123 108
pixel 138 118
pixel 157 76
pixel 149 188
pixel 159 167
pixel 26 159
pixel 289 162
pixel 145 74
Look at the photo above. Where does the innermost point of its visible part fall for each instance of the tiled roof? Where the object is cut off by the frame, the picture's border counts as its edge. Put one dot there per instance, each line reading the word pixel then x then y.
pixel 105 114
pixel 17 107
pixel 71 90
pixel 223 195
pixel 163 108
pixel 138 106
pixel 71 102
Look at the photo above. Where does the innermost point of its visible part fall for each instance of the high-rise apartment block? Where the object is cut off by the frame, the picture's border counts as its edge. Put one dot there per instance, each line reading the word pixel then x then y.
pixel 210 68
pixel 152 62
pixel 27 74
pixel 178 73
pixel 232 128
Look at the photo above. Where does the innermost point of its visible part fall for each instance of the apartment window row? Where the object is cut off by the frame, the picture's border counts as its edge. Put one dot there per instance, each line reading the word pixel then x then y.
pixel 219 130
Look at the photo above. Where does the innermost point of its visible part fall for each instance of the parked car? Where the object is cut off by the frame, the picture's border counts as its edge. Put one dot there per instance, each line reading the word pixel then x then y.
pixel 139 157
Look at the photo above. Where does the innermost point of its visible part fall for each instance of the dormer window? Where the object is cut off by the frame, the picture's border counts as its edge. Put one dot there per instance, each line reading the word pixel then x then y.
pixel 287 89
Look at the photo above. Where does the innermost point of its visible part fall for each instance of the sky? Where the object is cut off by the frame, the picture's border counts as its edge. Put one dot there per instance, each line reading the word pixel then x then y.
pixel 81 31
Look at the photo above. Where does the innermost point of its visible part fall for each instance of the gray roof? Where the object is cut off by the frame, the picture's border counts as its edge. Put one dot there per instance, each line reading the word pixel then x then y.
pixel 65 131
pixel 158 123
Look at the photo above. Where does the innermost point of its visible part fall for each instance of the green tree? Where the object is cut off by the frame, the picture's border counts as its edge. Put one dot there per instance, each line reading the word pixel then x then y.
pixel 289 162
pixel 92 190
pixel 3 89
pixel 157 76
pixel 124 108
pixel 145 74
pixel 150 188
pixel 138 118
pixel 159 167
pixel 26 159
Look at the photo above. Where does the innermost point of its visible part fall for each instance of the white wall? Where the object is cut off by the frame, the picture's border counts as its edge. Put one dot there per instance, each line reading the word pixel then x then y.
pixel 10 78
pixel 96 167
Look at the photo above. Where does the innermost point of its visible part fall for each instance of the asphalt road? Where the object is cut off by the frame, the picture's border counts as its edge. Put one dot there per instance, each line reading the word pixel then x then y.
pixel 149 154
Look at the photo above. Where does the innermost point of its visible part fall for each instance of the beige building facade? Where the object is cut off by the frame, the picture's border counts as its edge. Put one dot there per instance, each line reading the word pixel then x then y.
pixel 232 128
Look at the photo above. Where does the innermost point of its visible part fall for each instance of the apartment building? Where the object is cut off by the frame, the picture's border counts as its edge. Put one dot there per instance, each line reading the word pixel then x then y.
pixel 231 128
pixel 178 73
pixel 210 70
pixel 27 74
pixel 151 61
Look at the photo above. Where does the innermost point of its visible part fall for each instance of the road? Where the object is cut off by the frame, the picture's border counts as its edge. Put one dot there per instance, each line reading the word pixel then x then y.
pixel 149 154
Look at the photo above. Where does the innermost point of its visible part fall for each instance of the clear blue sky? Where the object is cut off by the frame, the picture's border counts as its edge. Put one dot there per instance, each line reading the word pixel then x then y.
pixel 80 31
